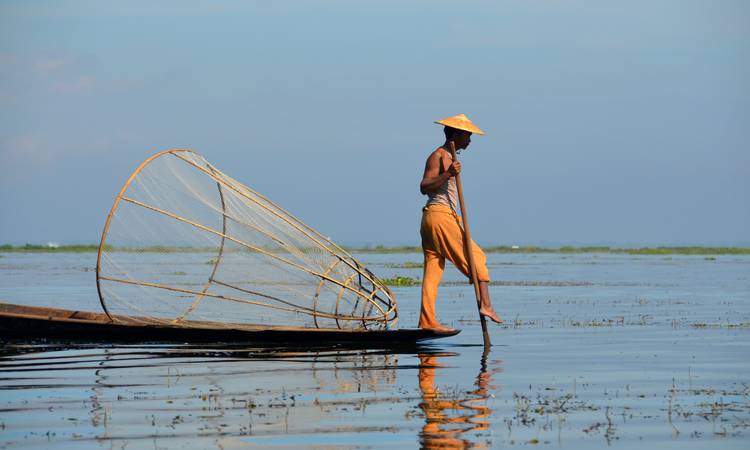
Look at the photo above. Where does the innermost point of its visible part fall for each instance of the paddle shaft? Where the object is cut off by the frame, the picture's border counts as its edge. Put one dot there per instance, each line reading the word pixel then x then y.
pixel 467 249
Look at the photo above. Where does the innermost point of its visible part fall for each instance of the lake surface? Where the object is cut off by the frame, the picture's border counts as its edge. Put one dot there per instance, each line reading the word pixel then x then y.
pixel 597 350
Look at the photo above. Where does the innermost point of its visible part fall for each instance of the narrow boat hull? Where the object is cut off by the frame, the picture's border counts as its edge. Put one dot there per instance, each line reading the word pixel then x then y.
pixel 31 322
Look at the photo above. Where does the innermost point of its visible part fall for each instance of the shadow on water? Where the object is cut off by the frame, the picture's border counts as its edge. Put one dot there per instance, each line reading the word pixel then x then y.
pixel 197 354
pixel 20 356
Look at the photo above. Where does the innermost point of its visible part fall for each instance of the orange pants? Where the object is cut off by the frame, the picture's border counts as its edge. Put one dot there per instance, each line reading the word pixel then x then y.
pixel 442 237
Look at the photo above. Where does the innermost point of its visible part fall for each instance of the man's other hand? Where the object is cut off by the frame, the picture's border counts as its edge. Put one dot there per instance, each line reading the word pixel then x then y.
pixel 455 168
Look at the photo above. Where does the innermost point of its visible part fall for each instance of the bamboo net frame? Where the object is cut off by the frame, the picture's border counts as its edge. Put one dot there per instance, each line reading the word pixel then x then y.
pixel 267 267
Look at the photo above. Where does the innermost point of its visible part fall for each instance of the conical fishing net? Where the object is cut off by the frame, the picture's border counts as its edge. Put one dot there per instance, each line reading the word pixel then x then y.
pixel 186 244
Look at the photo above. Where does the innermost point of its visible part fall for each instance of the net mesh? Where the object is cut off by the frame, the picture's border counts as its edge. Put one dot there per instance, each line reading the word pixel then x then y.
pixel 186 244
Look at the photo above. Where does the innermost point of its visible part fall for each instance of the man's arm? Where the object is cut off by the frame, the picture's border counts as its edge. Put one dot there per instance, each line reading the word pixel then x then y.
pixel 434 175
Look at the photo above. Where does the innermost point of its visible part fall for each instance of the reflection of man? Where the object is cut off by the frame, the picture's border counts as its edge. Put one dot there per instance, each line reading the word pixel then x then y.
pixel 433 407
pixel 442 234
pixel 447 419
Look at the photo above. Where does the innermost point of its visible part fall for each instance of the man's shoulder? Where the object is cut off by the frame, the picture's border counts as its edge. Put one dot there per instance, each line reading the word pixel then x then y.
pixel 438 153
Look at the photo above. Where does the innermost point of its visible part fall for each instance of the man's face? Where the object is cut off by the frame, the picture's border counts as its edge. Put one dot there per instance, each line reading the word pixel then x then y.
pixel 462 139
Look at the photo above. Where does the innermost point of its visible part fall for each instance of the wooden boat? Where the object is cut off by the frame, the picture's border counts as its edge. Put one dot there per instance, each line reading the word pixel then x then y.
pixel 33 322
pixel 264 263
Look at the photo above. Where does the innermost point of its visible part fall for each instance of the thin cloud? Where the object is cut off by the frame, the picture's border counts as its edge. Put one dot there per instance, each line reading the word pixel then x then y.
pixel 44 65
pixel 40 149
pixel 33 149
pixel 43 73
pixel 74 86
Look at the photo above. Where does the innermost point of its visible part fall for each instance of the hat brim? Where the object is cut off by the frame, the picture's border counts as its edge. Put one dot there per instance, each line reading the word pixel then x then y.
pixel 460 125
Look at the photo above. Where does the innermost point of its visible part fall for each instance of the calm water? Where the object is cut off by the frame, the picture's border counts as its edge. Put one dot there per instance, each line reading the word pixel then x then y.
pixel 597 350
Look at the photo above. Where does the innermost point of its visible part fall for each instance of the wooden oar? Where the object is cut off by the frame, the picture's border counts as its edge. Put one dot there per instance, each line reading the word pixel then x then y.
pixel 467 249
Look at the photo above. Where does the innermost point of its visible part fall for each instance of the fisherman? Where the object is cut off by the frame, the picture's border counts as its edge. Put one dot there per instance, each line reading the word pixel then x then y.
pixel 441 230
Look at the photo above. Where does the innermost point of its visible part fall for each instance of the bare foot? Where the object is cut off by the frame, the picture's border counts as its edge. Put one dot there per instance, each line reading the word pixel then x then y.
pixel 440 327
pixel 491 314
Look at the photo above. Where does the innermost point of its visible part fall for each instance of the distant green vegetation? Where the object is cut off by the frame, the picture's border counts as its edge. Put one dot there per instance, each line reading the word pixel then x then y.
pixel 383 249
pixel 401 281
pixel 709 251
pixel 570 249
pixel 405 265
pixel 33 248
pixel 628 251
pixel 162 249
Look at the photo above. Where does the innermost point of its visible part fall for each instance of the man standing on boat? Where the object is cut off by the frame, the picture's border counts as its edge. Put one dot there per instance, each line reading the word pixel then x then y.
pixel 441 230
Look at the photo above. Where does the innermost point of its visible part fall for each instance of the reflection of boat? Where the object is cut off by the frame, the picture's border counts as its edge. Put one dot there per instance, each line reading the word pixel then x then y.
pixel 29 322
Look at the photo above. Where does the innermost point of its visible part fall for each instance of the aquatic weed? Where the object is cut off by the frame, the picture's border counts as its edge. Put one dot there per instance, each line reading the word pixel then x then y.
pixel 401 281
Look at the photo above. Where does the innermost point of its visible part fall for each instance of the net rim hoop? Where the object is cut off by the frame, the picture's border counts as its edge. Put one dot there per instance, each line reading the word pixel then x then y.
pixel 111 214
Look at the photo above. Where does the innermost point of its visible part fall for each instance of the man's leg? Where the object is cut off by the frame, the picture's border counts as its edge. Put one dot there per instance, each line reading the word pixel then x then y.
pixel 486 308
pixel 456 253
pixel 434 265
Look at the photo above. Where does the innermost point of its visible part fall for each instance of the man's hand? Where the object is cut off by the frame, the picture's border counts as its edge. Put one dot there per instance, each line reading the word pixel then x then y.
pixel 455 168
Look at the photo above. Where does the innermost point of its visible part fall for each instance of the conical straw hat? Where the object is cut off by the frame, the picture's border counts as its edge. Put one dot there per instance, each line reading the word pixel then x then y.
pixel 460 122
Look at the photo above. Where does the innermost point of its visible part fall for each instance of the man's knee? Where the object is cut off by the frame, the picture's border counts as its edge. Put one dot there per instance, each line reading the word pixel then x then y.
pixel 480 262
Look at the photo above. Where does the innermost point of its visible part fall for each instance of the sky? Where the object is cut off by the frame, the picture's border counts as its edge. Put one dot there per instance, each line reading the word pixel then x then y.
pixel 608 122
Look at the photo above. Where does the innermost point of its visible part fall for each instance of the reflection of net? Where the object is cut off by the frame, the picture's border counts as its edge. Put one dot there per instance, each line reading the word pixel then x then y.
pixel 185 243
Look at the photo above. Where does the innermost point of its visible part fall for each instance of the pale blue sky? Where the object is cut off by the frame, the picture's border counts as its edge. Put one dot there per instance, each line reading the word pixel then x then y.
pixel 623 122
